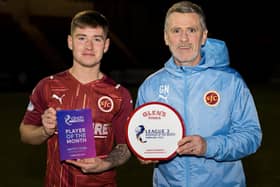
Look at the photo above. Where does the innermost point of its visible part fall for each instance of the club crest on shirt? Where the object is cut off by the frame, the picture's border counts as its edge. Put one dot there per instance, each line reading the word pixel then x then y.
pixel 211 98
pixel 105 104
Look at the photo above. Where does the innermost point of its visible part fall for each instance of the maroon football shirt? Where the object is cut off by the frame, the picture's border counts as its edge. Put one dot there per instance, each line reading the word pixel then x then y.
pixel 110 104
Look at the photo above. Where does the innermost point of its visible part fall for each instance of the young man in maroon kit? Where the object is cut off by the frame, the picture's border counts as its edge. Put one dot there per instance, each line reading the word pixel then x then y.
pixel 81 86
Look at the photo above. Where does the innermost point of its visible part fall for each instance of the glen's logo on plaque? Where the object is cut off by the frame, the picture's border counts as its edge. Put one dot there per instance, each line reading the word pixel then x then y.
pixel 153 130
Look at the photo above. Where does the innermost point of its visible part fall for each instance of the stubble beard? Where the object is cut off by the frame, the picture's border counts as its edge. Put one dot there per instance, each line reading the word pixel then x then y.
pixel 187 62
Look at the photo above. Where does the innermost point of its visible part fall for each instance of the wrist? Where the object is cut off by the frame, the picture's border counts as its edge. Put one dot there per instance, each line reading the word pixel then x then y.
pixel 45 132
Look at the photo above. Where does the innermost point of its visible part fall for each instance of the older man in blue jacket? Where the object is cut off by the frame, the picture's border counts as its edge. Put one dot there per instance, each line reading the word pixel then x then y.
pixel 218 110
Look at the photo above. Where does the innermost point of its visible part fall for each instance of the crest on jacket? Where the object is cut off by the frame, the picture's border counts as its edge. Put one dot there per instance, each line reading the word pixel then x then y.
pixel 211 98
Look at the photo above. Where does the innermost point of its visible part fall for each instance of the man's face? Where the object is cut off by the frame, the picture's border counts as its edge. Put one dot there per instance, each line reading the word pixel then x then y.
pixel 184 36
pixel 88 45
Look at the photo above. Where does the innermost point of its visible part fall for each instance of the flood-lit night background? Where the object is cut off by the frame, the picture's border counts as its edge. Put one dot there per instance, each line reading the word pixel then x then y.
pixel 33 39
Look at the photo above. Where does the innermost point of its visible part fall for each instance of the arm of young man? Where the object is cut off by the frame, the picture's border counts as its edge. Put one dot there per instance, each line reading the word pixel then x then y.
pixel 32 134
pixel 37 134
pixel 119 155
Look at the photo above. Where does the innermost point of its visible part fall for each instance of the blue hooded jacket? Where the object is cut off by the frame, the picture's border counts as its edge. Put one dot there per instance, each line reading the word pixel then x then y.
pixel 215 103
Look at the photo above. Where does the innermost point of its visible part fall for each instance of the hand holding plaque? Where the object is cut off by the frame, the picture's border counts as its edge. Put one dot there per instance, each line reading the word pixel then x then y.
pixel 153 131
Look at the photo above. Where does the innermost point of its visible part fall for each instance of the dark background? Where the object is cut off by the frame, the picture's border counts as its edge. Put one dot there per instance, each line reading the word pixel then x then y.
pixel 33 43
pixel 36 47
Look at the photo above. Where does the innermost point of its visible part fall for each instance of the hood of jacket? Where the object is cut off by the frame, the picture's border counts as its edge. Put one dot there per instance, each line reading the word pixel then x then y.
pixel 214 55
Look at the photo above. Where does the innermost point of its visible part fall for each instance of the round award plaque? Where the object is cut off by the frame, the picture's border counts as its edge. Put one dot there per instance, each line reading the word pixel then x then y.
pixel 153 131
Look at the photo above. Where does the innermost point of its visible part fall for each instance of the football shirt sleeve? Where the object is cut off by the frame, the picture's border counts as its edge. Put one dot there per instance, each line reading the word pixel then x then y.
pixel 36 106
pixel 120 119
